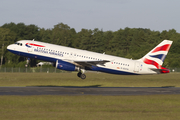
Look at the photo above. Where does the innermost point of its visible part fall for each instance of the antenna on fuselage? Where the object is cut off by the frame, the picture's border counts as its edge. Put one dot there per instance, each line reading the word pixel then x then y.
pixel 33 39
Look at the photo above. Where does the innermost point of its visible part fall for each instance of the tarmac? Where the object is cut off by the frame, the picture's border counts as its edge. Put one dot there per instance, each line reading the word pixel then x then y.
pixel 73 90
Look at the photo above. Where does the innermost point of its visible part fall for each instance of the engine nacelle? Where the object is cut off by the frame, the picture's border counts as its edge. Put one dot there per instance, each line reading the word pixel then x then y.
pixel 65 66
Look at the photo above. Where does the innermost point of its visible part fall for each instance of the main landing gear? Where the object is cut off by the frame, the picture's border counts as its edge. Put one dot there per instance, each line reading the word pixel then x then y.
pixel 81 75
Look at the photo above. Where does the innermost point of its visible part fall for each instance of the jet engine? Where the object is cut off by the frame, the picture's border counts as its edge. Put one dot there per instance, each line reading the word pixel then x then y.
pixel 66 66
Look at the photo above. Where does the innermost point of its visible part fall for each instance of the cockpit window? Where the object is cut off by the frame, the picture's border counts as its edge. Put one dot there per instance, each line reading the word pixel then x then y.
pixel 18 43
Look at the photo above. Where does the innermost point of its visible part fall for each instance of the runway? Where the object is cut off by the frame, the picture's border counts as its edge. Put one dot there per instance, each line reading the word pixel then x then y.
pixel 112 91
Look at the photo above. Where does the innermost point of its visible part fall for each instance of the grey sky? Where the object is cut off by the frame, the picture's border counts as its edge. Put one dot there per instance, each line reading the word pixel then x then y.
pixel 111 15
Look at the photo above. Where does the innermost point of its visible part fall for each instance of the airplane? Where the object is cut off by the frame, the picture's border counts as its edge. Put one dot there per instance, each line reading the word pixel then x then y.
pixel 72 59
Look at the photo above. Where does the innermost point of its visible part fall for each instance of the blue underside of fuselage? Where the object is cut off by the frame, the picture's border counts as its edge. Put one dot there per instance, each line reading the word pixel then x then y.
pixel 50 59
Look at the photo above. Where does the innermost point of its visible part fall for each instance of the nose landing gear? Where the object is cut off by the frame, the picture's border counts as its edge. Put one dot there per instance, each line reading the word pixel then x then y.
pixel 27 62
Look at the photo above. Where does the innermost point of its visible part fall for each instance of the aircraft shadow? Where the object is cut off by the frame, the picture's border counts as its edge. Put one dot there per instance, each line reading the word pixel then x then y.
pixel 95 86
pixel 89 86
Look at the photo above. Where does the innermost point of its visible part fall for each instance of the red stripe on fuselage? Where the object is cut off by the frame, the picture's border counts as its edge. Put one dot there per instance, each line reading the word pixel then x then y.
pixel 162 48
pixel 35 45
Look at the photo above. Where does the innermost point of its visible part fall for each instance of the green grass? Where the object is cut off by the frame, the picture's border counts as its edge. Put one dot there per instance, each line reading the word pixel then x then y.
pixel 93 79
pixel 152 107
pixel 85 107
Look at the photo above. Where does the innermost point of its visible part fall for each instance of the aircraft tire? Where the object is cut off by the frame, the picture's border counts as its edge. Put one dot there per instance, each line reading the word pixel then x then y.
pixel 83 76
pixel 79 74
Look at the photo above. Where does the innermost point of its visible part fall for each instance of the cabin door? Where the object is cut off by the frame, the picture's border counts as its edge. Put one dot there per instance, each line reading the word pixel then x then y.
pixel 30 48
pixel 136 67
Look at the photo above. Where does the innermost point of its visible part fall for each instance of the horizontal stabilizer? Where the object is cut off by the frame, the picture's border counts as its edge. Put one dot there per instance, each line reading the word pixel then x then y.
pixel 165 70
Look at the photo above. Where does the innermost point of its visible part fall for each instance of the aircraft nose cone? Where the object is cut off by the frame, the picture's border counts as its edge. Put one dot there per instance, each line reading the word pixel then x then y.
pixel 10 47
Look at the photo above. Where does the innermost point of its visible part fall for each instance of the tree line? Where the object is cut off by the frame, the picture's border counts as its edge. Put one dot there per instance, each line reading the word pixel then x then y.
pixel 128 42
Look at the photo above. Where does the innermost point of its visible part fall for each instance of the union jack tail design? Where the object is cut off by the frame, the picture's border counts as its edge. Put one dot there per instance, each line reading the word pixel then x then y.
pixel 157 55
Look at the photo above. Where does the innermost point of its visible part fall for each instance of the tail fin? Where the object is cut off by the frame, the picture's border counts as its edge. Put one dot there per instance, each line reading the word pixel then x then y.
pixel 157 55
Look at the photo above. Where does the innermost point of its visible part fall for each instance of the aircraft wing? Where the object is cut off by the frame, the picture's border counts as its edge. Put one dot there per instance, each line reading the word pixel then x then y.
pixel 91 63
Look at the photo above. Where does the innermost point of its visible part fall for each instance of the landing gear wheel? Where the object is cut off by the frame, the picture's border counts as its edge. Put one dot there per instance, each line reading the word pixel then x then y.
pixel 79 74
pixel 83 76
